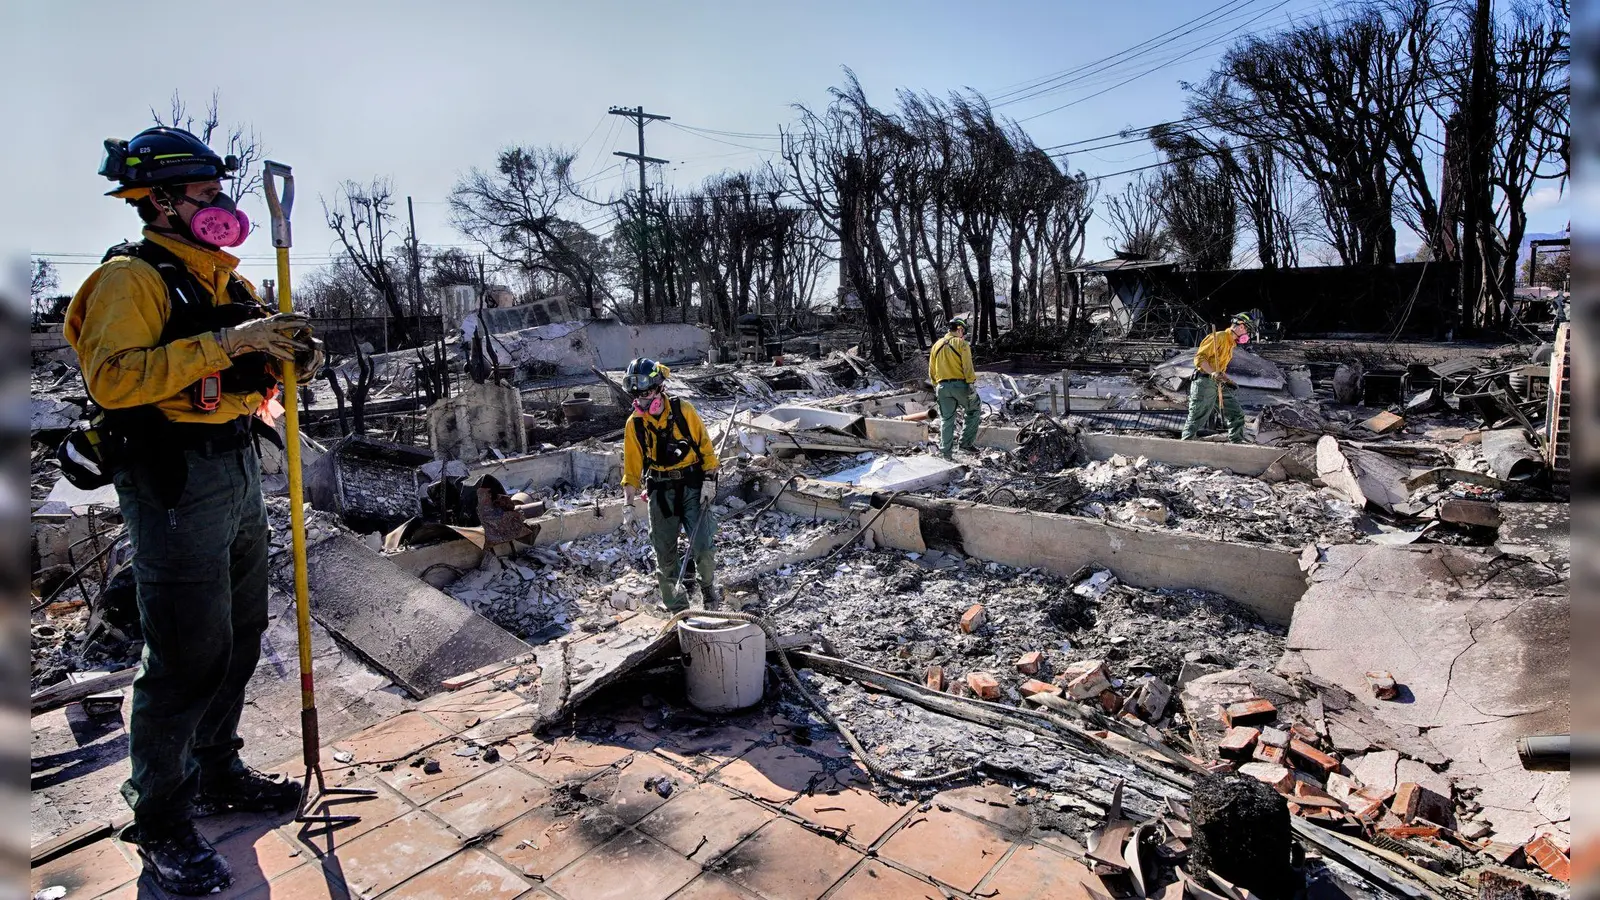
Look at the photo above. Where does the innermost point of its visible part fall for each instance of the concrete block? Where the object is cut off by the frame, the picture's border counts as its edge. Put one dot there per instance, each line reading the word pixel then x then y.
pixel 481 417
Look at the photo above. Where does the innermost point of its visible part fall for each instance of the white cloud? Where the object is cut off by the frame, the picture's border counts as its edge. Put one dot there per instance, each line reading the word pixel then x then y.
pixel 1548 197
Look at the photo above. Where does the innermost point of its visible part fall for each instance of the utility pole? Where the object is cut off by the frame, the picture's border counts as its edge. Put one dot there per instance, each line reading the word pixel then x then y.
pixel 640 118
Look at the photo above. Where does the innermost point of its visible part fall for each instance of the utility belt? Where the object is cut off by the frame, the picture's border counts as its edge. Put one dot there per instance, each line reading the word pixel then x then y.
pixel 213 439
pixel 952 381
pixel 669 486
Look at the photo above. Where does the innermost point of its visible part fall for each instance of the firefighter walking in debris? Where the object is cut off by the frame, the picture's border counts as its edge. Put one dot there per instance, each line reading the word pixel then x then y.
pixel 1211 386
pixel 666 450
pixel 179 356
pixel 955 383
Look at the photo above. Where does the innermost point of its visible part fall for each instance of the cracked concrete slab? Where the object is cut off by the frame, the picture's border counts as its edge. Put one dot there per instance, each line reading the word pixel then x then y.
pixel 1478 642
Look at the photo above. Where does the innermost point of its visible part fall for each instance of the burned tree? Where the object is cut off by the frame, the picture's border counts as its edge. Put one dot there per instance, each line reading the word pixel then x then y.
pixel 1196 198
pixel 1136 220
pixel 360 218
pixel 514 212
pixel 242 140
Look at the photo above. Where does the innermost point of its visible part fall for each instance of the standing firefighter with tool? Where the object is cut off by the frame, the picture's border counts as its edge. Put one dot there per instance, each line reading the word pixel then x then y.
pixel 955 383
pixel 1211 387
pixel 179 356
pixel 665 448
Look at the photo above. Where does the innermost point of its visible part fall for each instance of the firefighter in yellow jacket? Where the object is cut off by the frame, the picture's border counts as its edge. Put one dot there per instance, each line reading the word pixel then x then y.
pixel 666 450
pixel 955 384
pixel 1211 386
pixel 178 355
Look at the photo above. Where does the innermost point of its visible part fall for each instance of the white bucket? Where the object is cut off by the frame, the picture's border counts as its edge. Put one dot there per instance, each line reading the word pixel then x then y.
pixel 724 662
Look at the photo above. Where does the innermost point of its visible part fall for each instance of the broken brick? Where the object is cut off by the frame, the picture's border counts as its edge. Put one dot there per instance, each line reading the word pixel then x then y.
pixel 1412 831
pixel 1312 757
pixel 1249 712
pixel 934 678
pixel 1275 737
pixel 1505 854
pixel 1308 794
pixel 974 618
pixel 1085 678
pixel 1028 663
pixel 1276 777
pixel 983 685
pixel 1032 686
pixel 1110 701
pixel 1413 801
pixel 1238 741
pixel 1546 855
pixel 1382 684
pixel 1270 754
pixel 1304 732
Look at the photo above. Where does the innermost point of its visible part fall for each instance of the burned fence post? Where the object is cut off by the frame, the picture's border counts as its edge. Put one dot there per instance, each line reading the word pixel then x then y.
pixel 1241 832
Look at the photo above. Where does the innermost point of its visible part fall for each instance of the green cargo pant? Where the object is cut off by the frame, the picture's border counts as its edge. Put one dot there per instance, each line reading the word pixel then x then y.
pixel 666 500
pixel 1203 403
pixel 953 394
pixel 200 567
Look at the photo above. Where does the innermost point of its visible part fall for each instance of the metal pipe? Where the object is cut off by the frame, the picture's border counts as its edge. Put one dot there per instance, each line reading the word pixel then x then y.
pixel 1545 752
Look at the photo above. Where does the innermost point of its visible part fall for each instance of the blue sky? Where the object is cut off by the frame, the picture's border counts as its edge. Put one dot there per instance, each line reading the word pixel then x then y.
pixel 420 92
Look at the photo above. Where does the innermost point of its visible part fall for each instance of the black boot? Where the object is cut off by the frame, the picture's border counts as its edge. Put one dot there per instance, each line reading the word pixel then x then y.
pixel 179 857
pixel 244 789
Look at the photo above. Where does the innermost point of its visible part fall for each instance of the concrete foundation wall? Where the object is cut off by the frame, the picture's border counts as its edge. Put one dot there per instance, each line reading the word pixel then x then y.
pixel 578 468
pixel 1265 580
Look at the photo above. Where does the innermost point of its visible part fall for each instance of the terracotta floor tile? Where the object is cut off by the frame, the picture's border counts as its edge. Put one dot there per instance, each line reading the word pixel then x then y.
pixel 392 740
pixel 257 856
pixel 876 881
pixel 549 838
pixel 221 827
pixel 568 760
pixel 308 882
pixel 990 802
pixel 1059 840
pixel 785 860
pixel 466 875
pixel 948 846
pixel 630 867
pixel 713 887
pixel 386 856
pixel 88 871
pixel 775 774
pixel 144 889
pixel 865 816
pixel 481 806
pixel 375 811
pixel 454 771
pixel 704 813
pixel 467 710
pixel 517 721
pixel 703 749
pixel 1036 871
pixel 627 792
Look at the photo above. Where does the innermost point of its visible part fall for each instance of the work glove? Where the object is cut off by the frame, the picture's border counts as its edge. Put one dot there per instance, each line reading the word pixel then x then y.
pixel 708 492
pixel 630 516
pixel 278 336
pixel 308 363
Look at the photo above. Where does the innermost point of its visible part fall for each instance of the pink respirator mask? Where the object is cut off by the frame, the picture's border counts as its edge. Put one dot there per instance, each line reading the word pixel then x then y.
pixel 652 407
pixel 1244 338
pixel 220 223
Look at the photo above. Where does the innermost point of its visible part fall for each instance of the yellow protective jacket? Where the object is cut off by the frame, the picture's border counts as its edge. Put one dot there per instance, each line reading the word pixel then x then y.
pixel 951 357
pixel 656 428
pixel 114 324
pixel 1216 349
